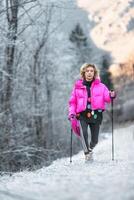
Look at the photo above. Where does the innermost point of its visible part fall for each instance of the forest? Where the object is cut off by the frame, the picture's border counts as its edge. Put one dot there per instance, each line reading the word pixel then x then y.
pixel 42 47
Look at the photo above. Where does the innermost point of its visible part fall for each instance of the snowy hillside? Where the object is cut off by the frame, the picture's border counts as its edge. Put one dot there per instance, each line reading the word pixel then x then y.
pixel 99 179
pixel 114 25
pixel 113 31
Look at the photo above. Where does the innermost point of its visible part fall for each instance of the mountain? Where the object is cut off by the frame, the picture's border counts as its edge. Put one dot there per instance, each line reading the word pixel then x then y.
pixel 113 30
pixel 113 25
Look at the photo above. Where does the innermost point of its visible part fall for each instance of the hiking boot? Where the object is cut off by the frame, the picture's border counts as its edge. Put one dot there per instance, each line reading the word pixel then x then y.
pixel 88 156
pixel 90 150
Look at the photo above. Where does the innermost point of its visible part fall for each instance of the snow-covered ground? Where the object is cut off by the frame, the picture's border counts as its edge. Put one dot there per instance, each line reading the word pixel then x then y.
pixel 98 179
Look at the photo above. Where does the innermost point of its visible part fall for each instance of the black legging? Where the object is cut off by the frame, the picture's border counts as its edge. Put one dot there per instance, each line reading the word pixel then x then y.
pixel 94 129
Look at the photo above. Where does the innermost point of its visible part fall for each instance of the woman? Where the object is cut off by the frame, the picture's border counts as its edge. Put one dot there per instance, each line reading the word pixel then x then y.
pixel 87 103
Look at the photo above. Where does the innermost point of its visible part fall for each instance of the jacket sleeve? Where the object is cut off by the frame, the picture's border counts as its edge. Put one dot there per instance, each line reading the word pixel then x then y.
pixel 106 95
pixel 72 103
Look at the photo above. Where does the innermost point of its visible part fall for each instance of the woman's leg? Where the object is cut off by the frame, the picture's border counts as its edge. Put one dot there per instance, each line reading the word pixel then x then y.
pixel 94 128
pixel 84 135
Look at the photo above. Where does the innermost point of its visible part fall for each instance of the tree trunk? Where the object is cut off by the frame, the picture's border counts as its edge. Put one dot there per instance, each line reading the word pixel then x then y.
pixel 12 19
pixel 40 133
pixel 36 84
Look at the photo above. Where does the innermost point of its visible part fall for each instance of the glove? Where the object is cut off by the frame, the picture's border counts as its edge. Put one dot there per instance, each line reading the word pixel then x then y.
pixel 72 116
pixel 112 94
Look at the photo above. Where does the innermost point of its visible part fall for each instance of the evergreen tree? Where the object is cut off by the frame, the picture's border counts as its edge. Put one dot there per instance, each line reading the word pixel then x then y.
pixel 105 73
pixel 78 37
pixel 81 46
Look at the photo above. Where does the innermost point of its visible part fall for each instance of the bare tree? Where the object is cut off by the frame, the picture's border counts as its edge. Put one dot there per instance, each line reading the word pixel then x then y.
pixel 12 25
pixel 36 77
pixel 27 114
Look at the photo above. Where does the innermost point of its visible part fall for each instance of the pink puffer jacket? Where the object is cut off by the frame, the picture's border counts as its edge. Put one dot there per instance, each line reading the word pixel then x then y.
pixel 78 100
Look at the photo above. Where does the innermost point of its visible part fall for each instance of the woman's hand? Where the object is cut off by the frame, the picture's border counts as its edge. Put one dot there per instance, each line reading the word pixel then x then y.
pixel 112 94
pixel 71 117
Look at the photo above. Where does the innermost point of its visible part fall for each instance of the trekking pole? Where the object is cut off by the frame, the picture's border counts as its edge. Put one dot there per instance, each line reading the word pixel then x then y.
pixel 112 112
pixel 71 145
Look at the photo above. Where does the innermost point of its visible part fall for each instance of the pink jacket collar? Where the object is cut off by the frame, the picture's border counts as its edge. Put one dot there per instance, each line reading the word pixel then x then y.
pixel 79 83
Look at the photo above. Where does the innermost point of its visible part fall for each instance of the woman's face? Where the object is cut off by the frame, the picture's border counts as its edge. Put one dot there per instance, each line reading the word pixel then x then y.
pixel 89 73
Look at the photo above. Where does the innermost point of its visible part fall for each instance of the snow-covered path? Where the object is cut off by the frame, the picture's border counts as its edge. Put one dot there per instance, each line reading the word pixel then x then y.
pixel 99 179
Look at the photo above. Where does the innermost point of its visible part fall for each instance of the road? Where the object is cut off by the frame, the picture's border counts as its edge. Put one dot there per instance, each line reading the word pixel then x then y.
pixel 98 179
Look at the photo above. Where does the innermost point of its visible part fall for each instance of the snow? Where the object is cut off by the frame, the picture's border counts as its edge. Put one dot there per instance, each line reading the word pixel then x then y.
pixel 99 178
